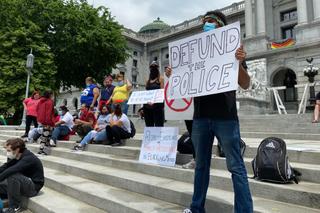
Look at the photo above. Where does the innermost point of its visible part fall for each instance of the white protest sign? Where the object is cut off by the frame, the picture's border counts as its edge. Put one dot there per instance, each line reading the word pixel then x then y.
pixel 159 146
pixel 205 63
pixel 177 109
pixel 147 96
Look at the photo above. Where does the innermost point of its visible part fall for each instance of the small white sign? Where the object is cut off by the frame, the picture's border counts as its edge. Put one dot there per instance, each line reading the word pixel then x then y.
pixel 147 96
pixel 159 146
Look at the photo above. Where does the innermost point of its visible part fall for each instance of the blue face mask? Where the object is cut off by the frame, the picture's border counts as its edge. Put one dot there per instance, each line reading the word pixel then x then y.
pixel 209 26
pixel 120 83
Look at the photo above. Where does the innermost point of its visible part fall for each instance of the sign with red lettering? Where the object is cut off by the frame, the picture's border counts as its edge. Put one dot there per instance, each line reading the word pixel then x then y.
pixel 159 146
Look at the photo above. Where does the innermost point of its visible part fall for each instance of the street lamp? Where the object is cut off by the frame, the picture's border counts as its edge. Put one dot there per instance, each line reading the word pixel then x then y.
pixel 311 71
pixel 29 66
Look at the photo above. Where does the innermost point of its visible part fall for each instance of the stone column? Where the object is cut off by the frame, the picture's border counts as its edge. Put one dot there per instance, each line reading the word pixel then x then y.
pixel 160 60
pixel 302 10
pixel 261 17
pixel 248 18
pixel 316 9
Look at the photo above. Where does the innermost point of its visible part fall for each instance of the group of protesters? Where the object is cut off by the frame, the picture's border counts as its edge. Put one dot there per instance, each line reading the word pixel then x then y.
pixel 103 119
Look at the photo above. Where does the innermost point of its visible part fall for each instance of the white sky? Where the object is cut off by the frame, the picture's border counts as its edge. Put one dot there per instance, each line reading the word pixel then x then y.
pixel 134 14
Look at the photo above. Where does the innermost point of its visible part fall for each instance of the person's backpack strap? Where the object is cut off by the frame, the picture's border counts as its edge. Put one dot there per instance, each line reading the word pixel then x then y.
pixel 133 129
pixel 297 175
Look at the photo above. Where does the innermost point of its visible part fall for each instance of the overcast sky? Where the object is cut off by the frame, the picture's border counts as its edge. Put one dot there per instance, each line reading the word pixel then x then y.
pixel 134 14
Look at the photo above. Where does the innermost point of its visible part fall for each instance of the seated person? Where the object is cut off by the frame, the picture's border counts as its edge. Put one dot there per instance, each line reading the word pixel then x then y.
pixel 22 175
pixel 118 127
pixel 317 109
pixel 86 123
pixel 63 127
pixel 35 133
pixel 99 132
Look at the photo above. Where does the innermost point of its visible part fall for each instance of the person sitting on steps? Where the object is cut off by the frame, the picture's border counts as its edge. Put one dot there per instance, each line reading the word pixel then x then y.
pixel 99 132
pixel 63 127
pixel 86 122
pixel 22 175
pixel 119 127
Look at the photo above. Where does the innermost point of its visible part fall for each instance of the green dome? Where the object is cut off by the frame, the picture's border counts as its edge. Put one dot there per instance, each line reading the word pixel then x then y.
pixel 155 26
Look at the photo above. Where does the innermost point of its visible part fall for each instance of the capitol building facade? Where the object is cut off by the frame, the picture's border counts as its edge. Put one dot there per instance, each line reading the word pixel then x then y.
pixel 278 36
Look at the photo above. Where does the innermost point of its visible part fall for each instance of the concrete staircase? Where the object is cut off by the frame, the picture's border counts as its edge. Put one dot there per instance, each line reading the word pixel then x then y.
pixel 110 179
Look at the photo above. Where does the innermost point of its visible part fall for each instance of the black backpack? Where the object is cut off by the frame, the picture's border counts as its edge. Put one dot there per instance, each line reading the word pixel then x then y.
pixel 133 129
pixel 272 164
pixel 185 145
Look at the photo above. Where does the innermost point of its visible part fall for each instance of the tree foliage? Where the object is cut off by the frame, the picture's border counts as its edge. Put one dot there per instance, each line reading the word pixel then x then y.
pixel 18 34
pixel 70 40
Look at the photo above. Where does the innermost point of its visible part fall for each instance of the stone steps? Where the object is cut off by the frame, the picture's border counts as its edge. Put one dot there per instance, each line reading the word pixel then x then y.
pixel 115 168
pixel 111 179
pixel 50 201
pixel 302 151
pixel 90 183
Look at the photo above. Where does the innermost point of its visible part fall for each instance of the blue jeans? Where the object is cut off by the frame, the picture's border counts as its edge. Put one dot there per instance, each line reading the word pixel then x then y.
pixel 97 136
pixel 59 131
pixel 227 131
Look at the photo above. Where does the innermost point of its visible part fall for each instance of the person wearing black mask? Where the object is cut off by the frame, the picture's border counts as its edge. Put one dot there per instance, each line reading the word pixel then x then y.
pixel 118 127
pixel 154 112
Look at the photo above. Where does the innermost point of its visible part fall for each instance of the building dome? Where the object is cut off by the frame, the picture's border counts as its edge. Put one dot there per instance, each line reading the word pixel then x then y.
pixel 155 26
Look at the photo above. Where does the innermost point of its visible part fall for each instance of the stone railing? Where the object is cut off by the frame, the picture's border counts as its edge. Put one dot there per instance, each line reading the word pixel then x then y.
pixel 234 8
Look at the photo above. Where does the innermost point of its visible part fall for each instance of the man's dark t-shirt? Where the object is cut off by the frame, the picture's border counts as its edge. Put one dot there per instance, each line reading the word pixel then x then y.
pixel 28 165
pixel 220 106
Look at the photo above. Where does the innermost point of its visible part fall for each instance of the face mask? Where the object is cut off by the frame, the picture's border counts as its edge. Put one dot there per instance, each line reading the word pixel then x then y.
pixel 209 26
pixel 120 83
pixel 10 155
pixel 154 73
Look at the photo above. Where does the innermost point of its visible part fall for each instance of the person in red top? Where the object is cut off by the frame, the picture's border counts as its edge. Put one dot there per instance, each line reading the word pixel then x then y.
pixel 30 105
pixel 86 122
pixel 45 110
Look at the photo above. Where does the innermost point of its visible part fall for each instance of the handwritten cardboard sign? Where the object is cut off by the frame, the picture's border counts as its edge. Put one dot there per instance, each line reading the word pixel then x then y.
pixel 147 96
pixel 159 146
pixel 205 63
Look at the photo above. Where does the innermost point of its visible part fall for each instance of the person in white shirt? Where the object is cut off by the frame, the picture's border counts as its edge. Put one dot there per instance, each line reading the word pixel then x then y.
pixel 99 132
pixel 63 127
pixel 118 128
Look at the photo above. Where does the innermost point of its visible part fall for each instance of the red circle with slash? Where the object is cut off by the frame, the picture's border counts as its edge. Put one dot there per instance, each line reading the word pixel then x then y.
pixel 170 102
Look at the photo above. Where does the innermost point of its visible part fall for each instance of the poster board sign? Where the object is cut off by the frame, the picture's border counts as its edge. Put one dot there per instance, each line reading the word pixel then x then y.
pixel 205 63
pixel 147 96
pixel 177 109
pixel 159 146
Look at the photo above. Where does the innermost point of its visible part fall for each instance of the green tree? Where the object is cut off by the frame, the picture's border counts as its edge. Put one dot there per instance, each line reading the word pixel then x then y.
pixel 18 34
pixel 85 41
pixel 70 40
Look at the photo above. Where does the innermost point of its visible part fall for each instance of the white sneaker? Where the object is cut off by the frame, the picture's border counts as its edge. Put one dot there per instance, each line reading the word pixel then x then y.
pixel 187 211
pixel 52 143
pixel 190 165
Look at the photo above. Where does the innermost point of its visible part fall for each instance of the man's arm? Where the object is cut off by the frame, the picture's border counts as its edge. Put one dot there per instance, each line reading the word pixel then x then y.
pixel 21 165
pixel 129 85
pixel 3 167
pixel 96 94
pixel 243 77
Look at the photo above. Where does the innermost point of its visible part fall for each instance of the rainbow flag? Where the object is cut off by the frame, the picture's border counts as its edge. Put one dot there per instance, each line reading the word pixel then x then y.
pixel 286 43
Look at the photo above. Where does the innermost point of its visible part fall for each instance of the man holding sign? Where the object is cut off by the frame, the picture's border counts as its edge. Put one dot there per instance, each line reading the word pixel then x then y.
pixel 215 115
